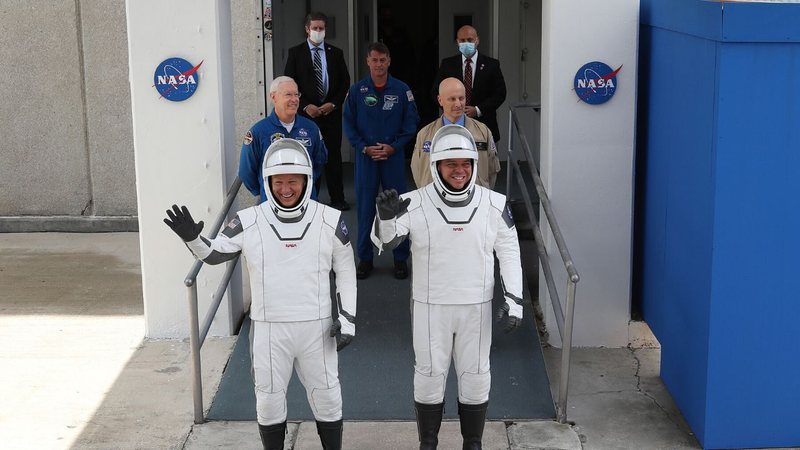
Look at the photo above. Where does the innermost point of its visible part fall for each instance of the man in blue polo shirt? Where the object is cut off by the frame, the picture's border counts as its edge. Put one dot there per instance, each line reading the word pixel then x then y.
pixel 284 122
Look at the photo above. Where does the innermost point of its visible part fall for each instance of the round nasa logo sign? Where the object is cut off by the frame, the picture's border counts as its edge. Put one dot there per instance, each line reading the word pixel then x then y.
pixel 176 79
pixel 596 82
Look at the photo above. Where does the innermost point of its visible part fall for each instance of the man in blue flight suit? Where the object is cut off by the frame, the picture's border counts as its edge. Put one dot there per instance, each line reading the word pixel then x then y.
pixel 284 122
pixel 380 120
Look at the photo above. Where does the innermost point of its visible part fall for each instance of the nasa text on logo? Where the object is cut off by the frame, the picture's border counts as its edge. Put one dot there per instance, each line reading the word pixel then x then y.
pixel 596 82
pixel 176 79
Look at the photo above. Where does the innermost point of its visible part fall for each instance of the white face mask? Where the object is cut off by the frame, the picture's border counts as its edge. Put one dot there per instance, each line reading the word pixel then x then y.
pixel 317 36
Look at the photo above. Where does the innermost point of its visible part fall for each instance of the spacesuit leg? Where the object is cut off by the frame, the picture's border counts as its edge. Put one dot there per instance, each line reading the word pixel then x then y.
pixel 433 343
pixel 272 368
pixel 471 358
pixel 366 184
pixel 318 370
pixel 473 339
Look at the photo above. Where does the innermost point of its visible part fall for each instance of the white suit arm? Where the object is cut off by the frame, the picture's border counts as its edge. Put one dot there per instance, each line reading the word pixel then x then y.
pixel 506 247
pixel 388 234
pixel 226 246
pixel 344 266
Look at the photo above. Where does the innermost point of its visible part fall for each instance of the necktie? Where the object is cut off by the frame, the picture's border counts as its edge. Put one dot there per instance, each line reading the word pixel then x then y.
pixel 468 80
pixel 318 74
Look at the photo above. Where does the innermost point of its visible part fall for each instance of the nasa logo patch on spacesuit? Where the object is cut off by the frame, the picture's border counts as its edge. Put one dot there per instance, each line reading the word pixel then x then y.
pixel 302 132
pixel 364 89
pixel 507 217
pixel 248 138
pixel 342 233
pixel 426 147
pixel 275 137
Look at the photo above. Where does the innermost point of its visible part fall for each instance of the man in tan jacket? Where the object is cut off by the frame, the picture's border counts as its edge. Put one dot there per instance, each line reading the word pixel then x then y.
pixel 452 100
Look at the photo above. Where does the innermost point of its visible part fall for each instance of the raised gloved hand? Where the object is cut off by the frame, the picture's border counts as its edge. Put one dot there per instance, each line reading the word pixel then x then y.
pixel 389 204
pixel 510 314
pixel 343 330
pixel 181 222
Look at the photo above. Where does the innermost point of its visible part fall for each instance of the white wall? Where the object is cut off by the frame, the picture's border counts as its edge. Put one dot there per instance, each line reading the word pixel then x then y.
pixel 587 162
pixel 179 148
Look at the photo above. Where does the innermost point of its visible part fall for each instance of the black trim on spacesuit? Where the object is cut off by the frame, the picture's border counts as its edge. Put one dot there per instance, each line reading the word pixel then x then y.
pixel 233 228
pixel 216 257
pixel 507 217
pixel 454 222
pixel 509 295
pixel 342 233
pixel 351 318
pixel 281 238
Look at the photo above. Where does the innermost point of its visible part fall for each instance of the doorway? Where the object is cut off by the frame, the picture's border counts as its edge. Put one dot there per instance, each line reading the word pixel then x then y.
pixel 414 50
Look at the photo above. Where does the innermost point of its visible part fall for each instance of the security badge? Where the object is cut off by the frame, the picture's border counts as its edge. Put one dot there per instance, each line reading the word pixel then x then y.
pixel 275 137
pixel 481 146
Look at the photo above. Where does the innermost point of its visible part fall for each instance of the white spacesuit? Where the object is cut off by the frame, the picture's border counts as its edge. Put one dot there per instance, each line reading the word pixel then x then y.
pixel 290 251
pixel 454 235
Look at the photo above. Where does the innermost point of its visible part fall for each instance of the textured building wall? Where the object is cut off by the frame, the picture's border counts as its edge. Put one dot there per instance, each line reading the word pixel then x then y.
pixel 43 155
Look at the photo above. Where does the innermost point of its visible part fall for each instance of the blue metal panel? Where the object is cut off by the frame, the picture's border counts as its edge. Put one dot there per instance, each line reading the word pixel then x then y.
pixel 693 17
pixel 679 211
pixel 761 22
pixel 721 245
pixel 753 366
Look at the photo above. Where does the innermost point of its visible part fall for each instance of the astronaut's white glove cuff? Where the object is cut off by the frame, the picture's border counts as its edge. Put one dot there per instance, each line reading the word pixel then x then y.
pixel 200 249
pixel 347 326
pixel 514 309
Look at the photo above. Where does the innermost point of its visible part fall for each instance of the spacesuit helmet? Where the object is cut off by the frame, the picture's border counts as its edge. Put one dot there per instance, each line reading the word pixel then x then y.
pixel 453 142
pixel 287 156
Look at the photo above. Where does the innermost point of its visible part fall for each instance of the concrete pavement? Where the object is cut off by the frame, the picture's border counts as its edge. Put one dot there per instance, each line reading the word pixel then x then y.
pixel 77 372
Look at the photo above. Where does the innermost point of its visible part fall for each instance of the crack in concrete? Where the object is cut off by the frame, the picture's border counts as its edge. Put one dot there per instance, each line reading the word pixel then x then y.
pixel 645 393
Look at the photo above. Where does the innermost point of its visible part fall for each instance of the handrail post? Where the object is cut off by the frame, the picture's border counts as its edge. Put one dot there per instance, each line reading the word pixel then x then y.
pixel 509 172
pixel 194 343
pixel 566 350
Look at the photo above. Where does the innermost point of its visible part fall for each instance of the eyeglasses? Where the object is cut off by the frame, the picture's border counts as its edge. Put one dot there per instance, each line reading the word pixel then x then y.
pixel 288 95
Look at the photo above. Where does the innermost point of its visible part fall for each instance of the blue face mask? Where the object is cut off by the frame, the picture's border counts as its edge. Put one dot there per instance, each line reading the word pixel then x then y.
pixel 466 48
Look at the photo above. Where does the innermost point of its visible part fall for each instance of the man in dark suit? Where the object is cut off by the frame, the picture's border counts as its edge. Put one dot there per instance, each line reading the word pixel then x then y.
pixel 482 78
pixel 323 80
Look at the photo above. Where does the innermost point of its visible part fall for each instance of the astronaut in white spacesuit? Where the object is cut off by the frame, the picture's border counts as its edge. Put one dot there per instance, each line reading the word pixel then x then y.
pixel 455 227
pixel 290 244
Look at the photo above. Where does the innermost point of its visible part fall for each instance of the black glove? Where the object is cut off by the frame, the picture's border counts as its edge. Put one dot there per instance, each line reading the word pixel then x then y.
pixel 510 321
pixel 181 222
pixel 390 205
pixel 342 340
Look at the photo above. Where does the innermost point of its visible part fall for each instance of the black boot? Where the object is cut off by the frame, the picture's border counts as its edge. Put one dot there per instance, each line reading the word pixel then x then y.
pixel 472 418
pixel 429 419
pixel 330 434
pixel 272 436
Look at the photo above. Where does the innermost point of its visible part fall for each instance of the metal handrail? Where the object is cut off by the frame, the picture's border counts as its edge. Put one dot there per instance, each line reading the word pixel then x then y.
pixel 197 336
pixel 564 317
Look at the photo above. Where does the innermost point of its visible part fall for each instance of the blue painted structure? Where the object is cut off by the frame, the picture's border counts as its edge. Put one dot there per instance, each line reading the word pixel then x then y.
pixel 719 131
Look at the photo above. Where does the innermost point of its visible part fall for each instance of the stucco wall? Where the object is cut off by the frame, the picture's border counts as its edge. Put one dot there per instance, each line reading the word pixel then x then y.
pixel 67 143
pixel 43 151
